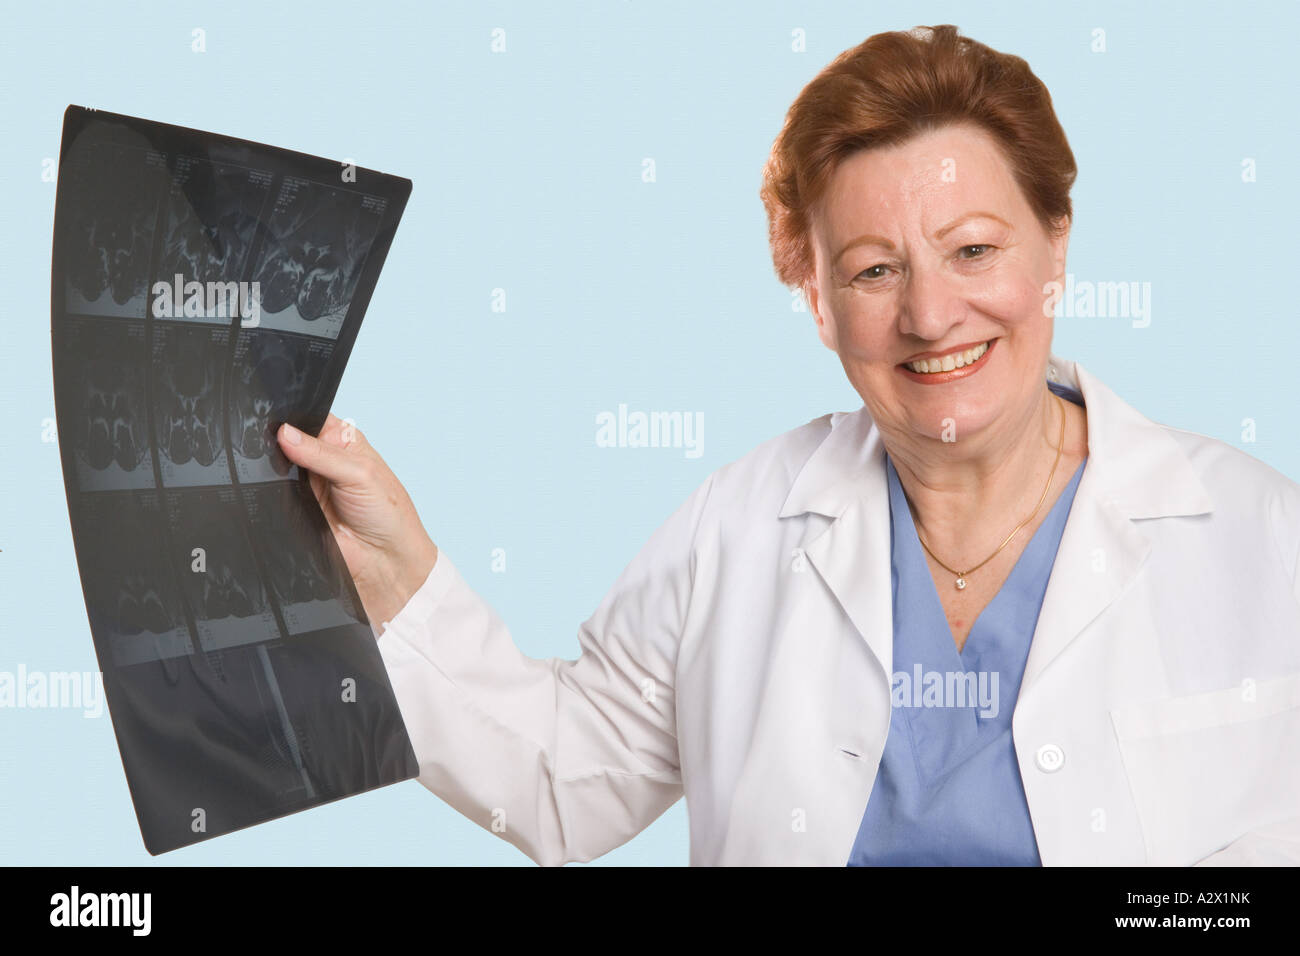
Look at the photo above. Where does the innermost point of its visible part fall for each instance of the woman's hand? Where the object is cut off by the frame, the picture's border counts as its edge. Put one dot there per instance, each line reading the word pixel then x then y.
pixel 386 548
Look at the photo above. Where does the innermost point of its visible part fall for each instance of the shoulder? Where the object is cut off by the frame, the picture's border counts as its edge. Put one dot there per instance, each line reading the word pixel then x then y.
pixel 1222 466
pixel 1245 489
pixel 743 497
pixel 758 482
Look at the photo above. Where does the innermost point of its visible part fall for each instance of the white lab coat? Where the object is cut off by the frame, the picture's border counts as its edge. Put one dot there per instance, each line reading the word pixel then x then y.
pixel 743 659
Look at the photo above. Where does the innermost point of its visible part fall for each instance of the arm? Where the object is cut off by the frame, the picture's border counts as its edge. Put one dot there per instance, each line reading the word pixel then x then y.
pixel 564 759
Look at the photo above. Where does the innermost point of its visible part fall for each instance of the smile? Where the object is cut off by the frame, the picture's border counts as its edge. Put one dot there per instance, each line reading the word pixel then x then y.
pixel 946 368
pixel 946 363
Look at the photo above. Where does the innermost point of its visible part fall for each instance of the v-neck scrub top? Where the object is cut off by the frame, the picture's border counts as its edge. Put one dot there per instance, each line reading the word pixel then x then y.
pixel 948 789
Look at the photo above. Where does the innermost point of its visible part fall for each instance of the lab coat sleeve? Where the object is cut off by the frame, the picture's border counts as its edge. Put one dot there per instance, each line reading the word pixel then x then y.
pixel 565 759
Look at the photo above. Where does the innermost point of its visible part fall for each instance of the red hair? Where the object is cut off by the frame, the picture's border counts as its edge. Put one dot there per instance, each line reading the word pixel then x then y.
pixel 886 90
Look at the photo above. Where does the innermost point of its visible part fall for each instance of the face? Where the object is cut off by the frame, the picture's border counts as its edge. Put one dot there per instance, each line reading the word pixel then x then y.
pixel 923 250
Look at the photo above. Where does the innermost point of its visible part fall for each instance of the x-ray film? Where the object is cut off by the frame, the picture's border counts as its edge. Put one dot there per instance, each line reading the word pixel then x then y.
pixel 204 290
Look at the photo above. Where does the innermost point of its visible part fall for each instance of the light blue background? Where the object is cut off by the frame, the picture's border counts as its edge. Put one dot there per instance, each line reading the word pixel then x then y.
pixel 527 173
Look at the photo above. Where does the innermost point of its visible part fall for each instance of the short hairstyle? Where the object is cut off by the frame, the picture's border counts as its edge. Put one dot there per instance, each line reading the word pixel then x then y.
pixel 888 89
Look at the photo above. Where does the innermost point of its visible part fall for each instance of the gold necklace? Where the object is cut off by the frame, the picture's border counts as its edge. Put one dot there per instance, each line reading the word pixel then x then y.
pixel 961 575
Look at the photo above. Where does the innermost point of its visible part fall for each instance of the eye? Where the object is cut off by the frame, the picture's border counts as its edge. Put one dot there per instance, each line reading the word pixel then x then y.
pixel 866 273
pixel 981 251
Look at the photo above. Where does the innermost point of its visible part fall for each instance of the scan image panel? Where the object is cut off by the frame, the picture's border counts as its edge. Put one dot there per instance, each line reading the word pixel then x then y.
pixel 321 237
pixel 212 219
pixel 135 606
pixel 293 538
pixel 220 575
pixel 100 367
pixel 114 194
pixel 274 373
pixel 187 364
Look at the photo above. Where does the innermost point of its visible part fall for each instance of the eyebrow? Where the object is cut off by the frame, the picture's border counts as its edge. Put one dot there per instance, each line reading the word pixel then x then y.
pixel 970 215
pixel 886 244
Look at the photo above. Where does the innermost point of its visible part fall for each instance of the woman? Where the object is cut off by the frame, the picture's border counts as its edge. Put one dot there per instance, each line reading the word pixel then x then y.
pixel 993 616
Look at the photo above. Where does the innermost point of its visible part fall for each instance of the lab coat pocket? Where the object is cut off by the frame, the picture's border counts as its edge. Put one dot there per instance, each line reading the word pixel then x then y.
pixel 1206 769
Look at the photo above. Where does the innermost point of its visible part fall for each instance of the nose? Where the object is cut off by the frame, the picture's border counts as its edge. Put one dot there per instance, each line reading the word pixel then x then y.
pixel 930 304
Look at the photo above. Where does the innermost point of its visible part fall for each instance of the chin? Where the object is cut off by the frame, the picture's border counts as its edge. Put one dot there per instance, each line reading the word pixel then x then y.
pixel 952 421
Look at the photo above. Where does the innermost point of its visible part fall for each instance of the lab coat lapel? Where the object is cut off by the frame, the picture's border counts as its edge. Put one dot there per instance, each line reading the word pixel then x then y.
pixel 845 480
pixel 1135 470
pixel 1099 556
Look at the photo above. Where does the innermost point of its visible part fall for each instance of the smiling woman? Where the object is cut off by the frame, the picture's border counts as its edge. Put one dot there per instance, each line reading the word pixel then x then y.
pixel 993 616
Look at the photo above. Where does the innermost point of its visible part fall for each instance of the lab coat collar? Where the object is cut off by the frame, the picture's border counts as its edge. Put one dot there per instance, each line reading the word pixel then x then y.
pixel 1134 465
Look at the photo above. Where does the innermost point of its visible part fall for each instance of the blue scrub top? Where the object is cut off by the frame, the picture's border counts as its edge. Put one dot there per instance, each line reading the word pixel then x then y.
pixel 948 790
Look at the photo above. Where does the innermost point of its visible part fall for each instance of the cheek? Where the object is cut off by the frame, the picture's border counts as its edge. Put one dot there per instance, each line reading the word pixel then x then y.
pixel 1013 296
pixel 863 329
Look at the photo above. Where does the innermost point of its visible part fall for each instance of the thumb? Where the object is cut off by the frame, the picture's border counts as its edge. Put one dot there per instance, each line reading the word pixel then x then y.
pixel 331 462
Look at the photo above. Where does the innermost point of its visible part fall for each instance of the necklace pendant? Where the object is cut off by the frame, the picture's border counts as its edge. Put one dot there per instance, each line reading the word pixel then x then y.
pixel 961 583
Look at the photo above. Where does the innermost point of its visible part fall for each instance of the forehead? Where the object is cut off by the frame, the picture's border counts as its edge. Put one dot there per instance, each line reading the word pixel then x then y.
pixel 926 181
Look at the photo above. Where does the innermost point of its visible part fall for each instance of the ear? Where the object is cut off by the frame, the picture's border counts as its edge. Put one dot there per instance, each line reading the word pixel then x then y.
pixel 825 327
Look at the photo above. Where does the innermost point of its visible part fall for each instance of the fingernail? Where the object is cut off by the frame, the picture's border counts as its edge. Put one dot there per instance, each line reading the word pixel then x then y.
pixel 292 435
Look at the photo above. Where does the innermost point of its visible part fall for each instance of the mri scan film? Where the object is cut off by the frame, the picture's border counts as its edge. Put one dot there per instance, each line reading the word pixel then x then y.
pixel 204 290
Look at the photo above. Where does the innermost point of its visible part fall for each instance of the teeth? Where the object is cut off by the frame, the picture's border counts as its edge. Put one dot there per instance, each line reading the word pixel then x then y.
pixel 947 363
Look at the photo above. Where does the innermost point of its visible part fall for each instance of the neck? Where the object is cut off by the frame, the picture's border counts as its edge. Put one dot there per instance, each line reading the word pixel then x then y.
pixel 967 496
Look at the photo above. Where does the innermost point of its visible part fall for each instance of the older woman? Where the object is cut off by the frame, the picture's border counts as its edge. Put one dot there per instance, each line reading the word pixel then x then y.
pixel 993 616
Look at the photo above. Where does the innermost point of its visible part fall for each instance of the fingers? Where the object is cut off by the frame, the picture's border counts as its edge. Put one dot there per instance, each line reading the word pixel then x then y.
pixel 320 489
pixel 343 433
pixel 334 462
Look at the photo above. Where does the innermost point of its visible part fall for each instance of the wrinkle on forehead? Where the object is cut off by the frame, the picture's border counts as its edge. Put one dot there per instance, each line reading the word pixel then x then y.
pixel 922 183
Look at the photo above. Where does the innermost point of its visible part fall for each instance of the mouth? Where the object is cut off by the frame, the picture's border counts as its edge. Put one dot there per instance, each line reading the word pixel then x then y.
pixel 959 363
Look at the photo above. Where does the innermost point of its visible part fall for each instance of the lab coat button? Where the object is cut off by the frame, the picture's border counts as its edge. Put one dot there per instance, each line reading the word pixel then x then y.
pixel 1049 758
